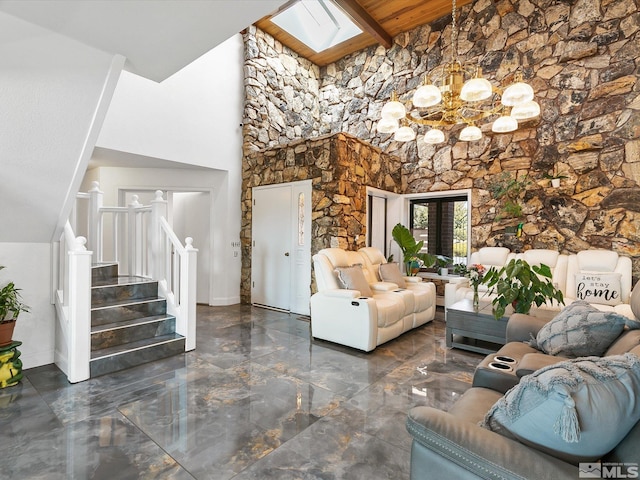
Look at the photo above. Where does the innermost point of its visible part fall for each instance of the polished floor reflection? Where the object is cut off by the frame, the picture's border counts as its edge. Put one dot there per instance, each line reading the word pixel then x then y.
pixel 257 399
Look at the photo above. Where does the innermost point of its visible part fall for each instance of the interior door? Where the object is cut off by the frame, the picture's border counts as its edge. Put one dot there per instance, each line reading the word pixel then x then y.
pixel 281 253
pixel 271 247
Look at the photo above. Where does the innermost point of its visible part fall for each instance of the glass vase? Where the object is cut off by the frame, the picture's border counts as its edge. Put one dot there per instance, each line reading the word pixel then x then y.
pixel 476 299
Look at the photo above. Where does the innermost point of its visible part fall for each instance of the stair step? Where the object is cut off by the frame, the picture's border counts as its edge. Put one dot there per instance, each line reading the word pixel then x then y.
pixel 121 332
pixel 122 289
pixel 112 359
pixel 100 271
pixel 122 310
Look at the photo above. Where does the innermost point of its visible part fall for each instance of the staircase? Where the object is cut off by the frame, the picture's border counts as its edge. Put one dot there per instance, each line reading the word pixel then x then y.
pixel 129 322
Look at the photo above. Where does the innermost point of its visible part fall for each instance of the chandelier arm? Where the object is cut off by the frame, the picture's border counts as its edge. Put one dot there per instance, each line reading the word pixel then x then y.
pixel 424 121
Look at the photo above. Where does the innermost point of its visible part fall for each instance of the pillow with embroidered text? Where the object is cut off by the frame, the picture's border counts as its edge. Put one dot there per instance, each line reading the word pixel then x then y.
pixel 602 288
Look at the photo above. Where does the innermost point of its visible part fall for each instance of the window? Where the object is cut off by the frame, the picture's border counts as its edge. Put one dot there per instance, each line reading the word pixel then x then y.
pixel 442 223
pixel 319 24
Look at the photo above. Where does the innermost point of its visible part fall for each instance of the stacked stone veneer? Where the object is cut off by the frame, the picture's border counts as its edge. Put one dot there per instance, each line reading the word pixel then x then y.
pixel 581 57
pixel 340 168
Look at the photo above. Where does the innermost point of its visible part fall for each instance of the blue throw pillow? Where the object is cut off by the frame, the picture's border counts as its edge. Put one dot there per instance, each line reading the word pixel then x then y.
pixel 579 330
pixel 577 410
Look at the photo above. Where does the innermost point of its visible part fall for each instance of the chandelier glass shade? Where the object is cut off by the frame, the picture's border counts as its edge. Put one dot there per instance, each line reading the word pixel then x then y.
pixel 459 96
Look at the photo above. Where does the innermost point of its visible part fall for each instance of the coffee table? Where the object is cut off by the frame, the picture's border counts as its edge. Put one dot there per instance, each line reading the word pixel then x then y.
pixel 480 331
pixel 475 331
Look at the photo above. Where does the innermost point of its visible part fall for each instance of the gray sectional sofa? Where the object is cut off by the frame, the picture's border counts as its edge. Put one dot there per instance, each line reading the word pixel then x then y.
pixel 541 416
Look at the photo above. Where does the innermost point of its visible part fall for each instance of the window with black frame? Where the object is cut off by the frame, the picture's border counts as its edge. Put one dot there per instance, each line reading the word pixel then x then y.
pixel 442 223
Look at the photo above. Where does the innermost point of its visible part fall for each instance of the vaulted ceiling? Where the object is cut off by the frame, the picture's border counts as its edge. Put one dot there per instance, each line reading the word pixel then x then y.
pixel 380 20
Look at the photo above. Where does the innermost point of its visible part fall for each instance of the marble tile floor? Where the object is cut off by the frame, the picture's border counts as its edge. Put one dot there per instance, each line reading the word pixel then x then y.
pixel 257 399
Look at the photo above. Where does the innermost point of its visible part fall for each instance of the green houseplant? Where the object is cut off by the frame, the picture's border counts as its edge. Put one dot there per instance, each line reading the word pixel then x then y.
pixel 508 190
pixel 520 285
pixel 11 306
pixel 411 255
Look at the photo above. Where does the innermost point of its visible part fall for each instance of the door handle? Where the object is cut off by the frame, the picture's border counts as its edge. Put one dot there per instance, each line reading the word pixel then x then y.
pixel 286 254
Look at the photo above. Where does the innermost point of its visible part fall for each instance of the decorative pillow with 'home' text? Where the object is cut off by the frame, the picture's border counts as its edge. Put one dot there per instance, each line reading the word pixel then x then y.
pixel 602 288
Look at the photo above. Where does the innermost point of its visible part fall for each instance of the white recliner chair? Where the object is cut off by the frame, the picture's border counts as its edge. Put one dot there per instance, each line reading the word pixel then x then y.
pixel 424 293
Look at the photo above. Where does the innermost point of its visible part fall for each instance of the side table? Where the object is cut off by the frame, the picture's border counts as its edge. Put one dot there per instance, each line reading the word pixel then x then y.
pixel 10 365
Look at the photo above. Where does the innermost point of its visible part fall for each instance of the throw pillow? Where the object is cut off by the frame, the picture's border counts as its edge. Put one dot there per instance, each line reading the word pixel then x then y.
pixel 390 272
pixel 577 410
pixel 352 278
pixel 602 288
pixel 579 330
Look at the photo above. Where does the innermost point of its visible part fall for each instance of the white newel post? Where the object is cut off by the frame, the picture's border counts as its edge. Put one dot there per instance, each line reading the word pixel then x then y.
pixel 132 235
pixel 159 209
pixel 94 242
pixel 79 291
pixel 188 275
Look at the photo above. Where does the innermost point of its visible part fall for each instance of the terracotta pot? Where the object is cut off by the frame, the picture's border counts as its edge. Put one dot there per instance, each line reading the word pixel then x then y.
pixel 6 332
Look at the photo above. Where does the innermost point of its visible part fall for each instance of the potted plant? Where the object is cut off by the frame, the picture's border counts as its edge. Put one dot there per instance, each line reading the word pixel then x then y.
pixel 460 269
pixel 11 306
pixel 555 178
pixel 443 262
pixel 520 285
pixel 411 255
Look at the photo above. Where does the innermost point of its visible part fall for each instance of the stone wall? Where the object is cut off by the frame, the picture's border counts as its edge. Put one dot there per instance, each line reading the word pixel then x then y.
pixel 581 59
pixel 340 167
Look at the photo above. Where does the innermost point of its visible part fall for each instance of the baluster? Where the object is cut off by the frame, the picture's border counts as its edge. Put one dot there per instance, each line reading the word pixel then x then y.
pixel 94 239
pixel 131 234
pixel 159 210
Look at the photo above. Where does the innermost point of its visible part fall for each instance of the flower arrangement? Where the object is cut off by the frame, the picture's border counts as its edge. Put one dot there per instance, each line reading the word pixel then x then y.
pixel 476 274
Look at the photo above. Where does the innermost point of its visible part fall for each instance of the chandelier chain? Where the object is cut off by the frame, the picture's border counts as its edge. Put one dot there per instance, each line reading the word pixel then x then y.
pixel 454 32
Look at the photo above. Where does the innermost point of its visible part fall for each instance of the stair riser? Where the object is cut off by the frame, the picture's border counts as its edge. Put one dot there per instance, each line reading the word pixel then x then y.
pixel 103 272
pixel 100 295
pixel 120 336
pixel 136 357
pixel 128 312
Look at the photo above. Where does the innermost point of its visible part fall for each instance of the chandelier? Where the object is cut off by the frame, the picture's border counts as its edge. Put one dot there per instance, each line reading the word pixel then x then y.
pixel 461 96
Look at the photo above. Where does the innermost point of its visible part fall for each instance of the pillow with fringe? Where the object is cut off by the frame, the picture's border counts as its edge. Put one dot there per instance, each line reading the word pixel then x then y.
pixel 577 410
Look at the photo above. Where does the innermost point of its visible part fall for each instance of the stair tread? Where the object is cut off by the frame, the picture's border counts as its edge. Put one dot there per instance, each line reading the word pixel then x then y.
pixel 126 347
pixel 130 301
pixel 121 280
pixel 130 323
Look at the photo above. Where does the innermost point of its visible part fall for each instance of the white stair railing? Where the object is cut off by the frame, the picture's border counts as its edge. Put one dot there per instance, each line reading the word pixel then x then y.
pixel 73 306
pixel 142 243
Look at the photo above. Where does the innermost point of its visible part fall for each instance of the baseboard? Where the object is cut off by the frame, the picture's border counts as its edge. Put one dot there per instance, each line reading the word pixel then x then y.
pixel 36 359
pixel 224 301
pixel 61 362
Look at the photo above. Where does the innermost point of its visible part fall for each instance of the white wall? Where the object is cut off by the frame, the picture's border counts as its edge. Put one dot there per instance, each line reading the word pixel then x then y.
pixel 193 117
pixel 191 218
pixel 28 265
pixel 53 94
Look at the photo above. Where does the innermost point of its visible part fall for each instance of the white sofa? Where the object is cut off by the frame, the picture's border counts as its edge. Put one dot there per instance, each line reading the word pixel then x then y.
pixel 565 269
pixel 347 317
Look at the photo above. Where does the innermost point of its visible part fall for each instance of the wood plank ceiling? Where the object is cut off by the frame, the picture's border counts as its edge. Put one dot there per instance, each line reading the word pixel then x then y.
pixel 380 20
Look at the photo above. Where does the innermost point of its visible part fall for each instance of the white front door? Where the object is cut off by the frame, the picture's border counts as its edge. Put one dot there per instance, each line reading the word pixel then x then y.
pixel 281 247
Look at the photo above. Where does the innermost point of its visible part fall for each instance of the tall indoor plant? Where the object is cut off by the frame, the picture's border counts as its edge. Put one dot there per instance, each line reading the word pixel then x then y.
pixel 521 285
pixel 411 256
pixel 11 306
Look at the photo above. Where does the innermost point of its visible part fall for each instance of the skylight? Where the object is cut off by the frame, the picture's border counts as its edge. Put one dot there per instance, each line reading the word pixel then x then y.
pixel 319 24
